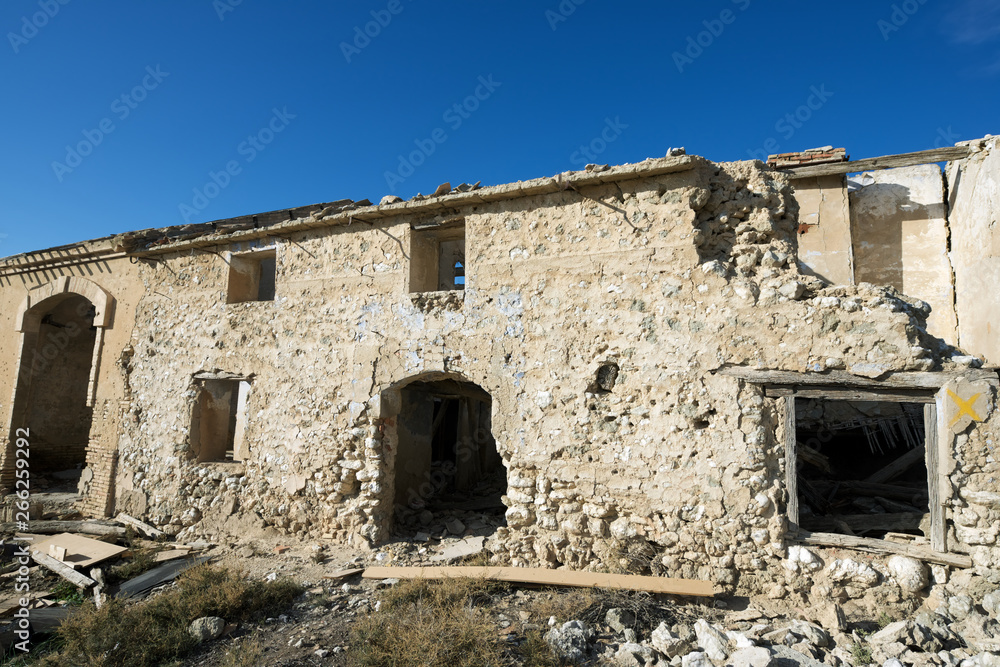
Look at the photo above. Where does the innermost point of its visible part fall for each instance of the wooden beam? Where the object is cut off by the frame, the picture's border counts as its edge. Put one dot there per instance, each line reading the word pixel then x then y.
pixel 934 479
pixel 786 408
pixel 927 554
pixel 545 577
pixel 884 162
pixel 839 379
pixel 860 523
pixel 103 528
pixel 898 466
pixel 847 394
pixel 63 570
pixel 141 526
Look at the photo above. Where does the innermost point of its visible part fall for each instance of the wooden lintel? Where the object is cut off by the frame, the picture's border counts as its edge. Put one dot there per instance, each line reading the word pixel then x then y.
pixel 892 380
pixel 849 394
pixel 884 162
pixel 883 547
pixel 545 577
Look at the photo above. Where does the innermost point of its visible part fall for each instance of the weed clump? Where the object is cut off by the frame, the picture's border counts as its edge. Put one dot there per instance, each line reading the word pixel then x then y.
pixel 123 634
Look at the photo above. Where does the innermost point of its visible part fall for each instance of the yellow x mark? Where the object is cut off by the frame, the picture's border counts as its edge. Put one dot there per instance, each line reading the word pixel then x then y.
pixel 964 407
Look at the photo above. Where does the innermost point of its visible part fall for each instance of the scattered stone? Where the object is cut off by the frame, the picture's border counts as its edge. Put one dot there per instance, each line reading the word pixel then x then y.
pixel 812 634
pixel 455 527
pixel 712 640
pixel 959 606
pixel 206 628
pixel 635 655
pixel 991 603
pixel 321 653
pixel 695 659
pixel 667 643
pixel 756 656
pixel 619 619
pixel 571 641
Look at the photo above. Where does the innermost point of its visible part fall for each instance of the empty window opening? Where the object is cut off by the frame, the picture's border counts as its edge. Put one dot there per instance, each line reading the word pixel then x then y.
pixel 252 277
pixel 861 467
pixel 437 258
pixel 218 421
pixel 52 391
pixel 447 465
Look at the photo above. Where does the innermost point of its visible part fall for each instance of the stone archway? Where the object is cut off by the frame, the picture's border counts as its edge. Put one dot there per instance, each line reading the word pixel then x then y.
pixel 62 327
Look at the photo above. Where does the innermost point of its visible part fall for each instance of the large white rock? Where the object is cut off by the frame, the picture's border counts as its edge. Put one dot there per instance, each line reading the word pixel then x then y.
pixel 850 571
pixel 667 643
pixel 911 574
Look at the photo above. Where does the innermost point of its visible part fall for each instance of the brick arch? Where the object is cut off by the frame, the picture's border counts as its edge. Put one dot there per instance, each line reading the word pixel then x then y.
pixel 30 313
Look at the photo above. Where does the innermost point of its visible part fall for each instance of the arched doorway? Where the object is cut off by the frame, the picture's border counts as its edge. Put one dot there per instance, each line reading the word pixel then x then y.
pixel 446 462
pixel 62 331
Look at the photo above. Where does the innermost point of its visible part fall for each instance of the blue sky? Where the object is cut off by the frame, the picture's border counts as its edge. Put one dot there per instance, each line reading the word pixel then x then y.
pixel 127 115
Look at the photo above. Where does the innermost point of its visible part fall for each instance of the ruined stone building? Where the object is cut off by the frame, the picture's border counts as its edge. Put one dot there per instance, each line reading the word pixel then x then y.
pixel 698 365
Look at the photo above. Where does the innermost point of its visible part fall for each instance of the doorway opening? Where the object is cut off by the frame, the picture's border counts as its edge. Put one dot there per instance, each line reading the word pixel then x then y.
pixel 449 476
pixel 860 467
pixel 51 399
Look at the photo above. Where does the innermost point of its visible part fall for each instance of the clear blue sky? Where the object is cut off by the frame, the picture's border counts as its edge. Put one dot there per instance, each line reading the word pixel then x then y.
pixel 183 85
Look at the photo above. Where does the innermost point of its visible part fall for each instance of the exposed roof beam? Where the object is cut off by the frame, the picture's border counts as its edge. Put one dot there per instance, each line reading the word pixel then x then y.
pixel 884 162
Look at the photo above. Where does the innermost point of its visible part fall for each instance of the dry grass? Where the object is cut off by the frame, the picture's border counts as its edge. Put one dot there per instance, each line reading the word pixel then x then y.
pixel 151 632
pixel 564 604
pixel 444 623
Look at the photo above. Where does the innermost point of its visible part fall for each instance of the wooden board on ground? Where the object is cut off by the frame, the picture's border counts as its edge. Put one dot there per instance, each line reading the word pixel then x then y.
pixel 81 552
pixel 170 554
pixel 344 574
pixel 544 577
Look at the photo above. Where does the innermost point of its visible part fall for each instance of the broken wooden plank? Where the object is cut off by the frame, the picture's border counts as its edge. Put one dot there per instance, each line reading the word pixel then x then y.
pixel 80 551
pixel 927 554
pixel 92 527
pixel 170 554
pixel 544 577
pixel 946 154
pixel 860 523
pixel 141 526
pixel 897 467
pixel 140 586
pixel 344 574
pixel 63 570
pixel 839 379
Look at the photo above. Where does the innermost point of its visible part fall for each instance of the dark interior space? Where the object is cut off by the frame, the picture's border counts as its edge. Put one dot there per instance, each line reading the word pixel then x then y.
pixel 447 465
pixel 861 468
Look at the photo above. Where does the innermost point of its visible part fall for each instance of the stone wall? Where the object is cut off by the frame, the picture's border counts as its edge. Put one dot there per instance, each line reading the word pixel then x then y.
pixel 668 277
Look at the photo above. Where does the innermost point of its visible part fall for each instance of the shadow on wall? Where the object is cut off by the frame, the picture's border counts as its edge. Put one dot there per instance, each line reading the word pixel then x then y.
pixel 879 216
